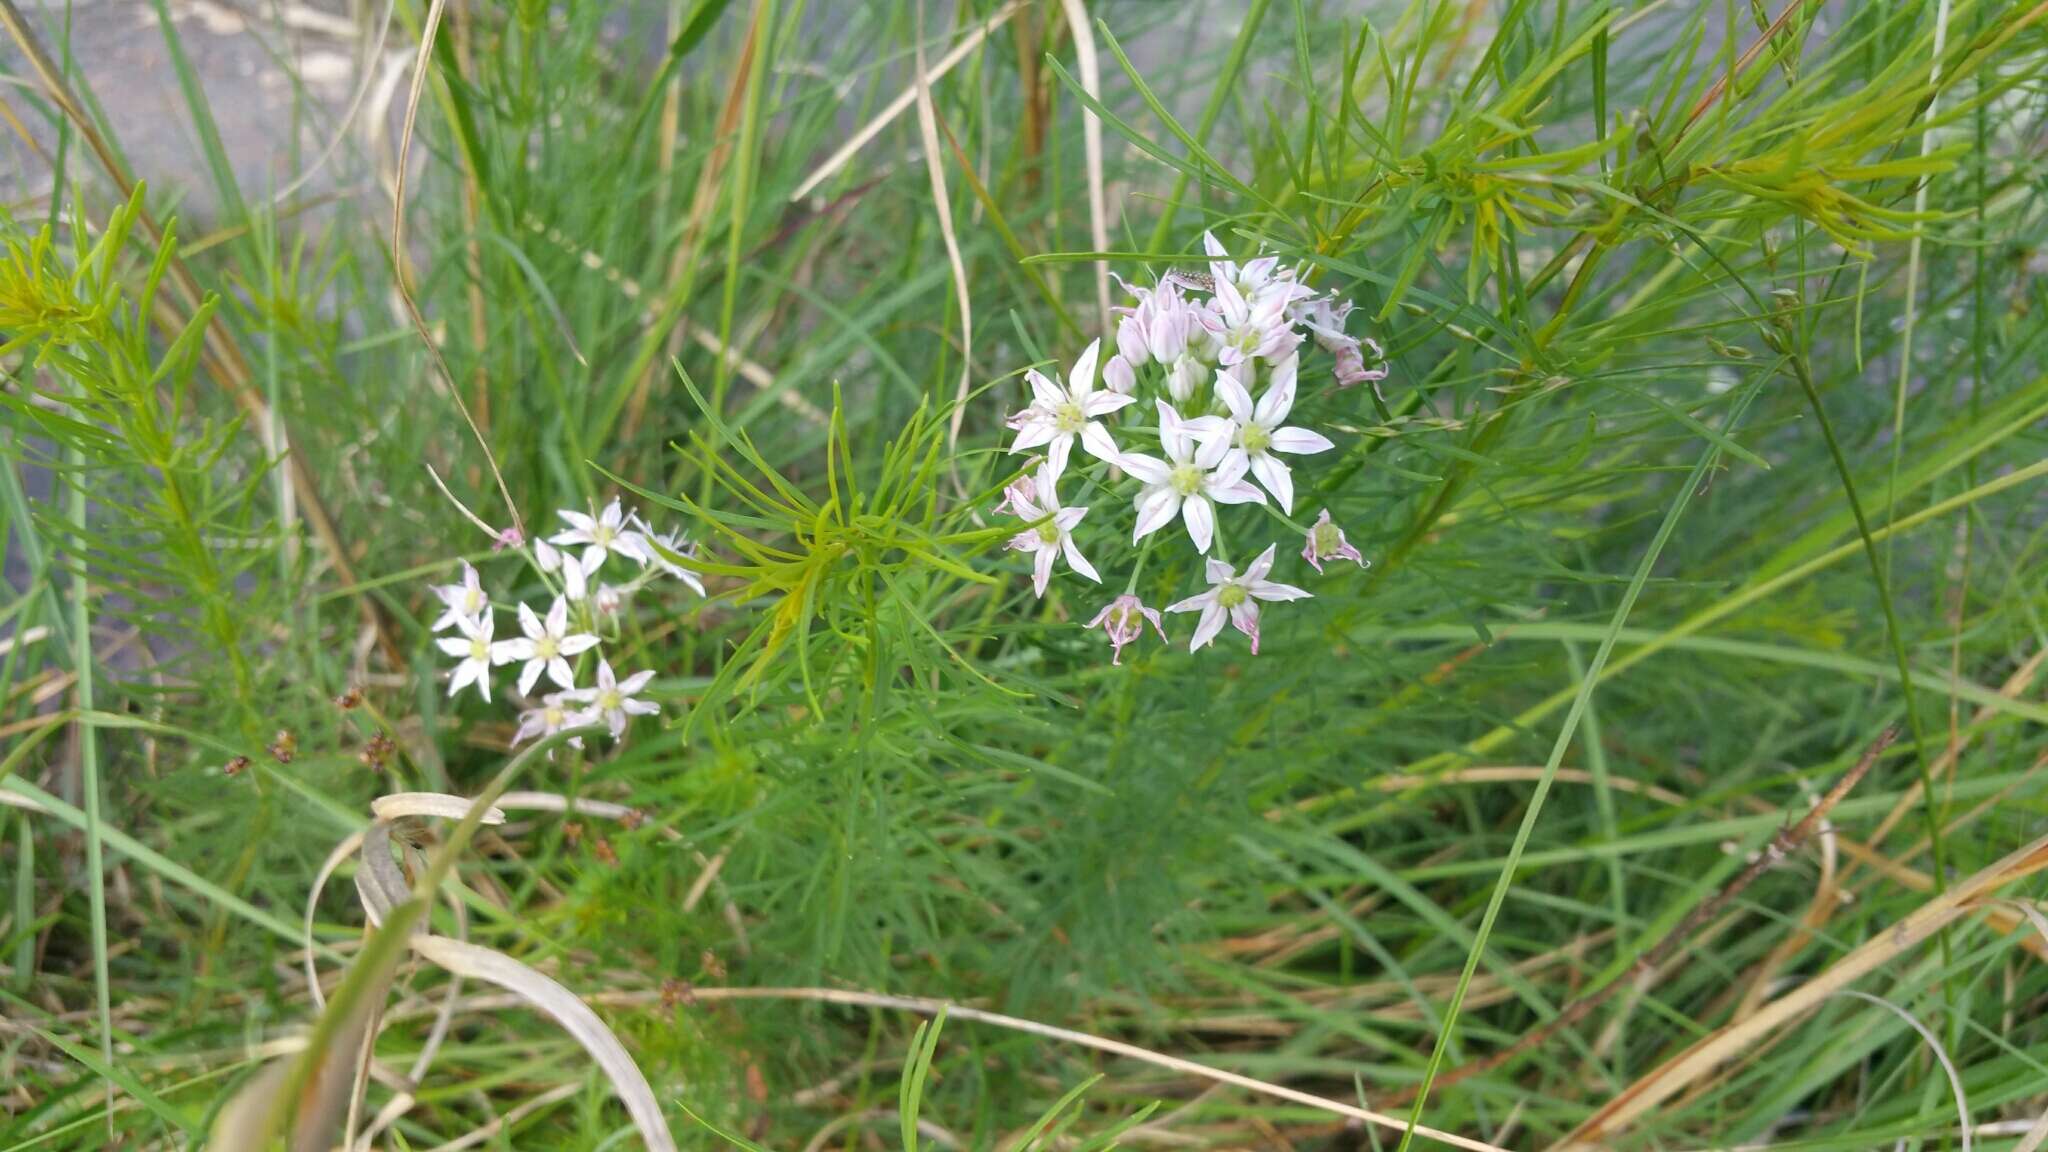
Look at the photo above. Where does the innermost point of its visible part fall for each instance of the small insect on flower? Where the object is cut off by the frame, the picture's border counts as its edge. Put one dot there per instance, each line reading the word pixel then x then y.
pixel 1326 542
pixel 612 700
pixel 601 535
pixel 1199 471
pixel 546 647
pixel 1256 432
pixel 1236 598
pixel 1060 412
pixel 477 654
pixel 464 601
pixel 1123 620
pixel 1051 538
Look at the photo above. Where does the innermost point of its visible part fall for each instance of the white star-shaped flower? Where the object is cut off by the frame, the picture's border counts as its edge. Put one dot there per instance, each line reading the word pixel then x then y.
pixel 612 699
pixel 1198 472
pixel 476 652
pixel 1060 412
pixel 547 646
pixel 1235 598
pixel 551 717
pixel 601 535
pixel 464 601
pixel 1052 538
pixel 1256 433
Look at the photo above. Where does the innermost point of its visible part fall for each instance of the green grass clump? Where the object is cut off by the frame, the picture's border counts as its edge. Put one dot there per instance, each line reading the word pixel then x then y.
pixel 1709 450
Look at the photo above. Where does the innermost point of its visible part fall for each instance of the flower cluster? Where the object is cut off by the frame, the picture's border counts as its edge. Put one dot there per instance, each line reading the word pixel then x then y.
pixel 551 642
pixel 1219 357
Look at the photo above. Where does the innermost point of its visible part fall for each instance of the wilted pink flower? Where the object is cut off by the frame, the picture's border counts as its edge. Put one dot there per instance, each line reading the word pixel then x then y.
pixel 508 537
pixel 1326 542
pixel 1123 620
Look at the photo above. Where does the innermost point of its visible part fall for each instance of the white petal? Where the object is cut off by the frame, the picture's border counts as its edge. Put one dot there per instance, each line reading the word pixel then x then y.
pixel 1041 569
pixel 1300 441
pixel 1156 508
pixel 558 617
pixel 528 675
pixel 1245 617
pixel 1234 397
pixel 1147 469
pixel 1096 439
pixel 1031 434
pixel 1081 381
pixel 578 521
pixel 560 672
pixel 453 645
pixel 1213 246
pixel 1275 476
pixel 1260 565
pixel 1238 493
pixel 1267 590
pixel 1103 403
pixel 1207 628
pixel 1212 448
pixel 1217 571
pixel 530 623
pixel 1192 603
pixel 1078 562
pixel 635 682
pixel 1201 521
pixel 1043 390
pixel 1057 452
pixel 1173 438
pixel 1279 397
pixel 510 651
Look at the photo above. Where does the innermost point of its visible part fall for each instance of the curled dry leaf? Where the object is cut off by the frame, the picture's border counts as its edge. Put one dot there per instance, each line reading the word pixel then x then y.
pixel 476 963
pixel 379 881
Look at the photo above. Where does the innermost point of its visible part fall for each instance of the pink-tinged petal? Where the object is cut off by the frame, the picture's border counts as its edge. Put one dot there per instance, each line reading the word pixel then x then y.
pixel 1031 435
pixel 1231 303
pixel 1260 565
pixel 1300 442
pixel 1245 618
pixel 1103 403
pixel 1234 397
pixel 1056 454
pixel 1078 562
pixel 1043 390
pixel 530 623
pixel 616 721
pixel 1277 346
pixel 1173 438
pixel 558 617
pixel 1081 381
pixel 1201 521
pixel 1308 553
pixel 558 671
pixel 1118 377
pixel 629 545
pixel 575 582
pixel 1213 246
pixel 1045 489
pixel 577 645
pixel 1026 541
pixel 1276 479
pixel 1278 593
pixel 1279 398
pixel 593 558
pixel 1216 571
pixel 1102 615
pixel 527 676
pixel 1041 570
pixel 1066 519
pixel 635 682
pixel 1131 343
pixel 1195 603
pixel 1229 470
pixel 1208 627
pixel 1212 449
pixel 578 521
pixel 1260 270
pixel 453 645
pixel 641 707
pixel 1146 469
pixel 605 677
pixel 1167 335
pixel 1238 493
pixel 613 516
pixel 1152 614
pixel 1156 509
pixel 1097 440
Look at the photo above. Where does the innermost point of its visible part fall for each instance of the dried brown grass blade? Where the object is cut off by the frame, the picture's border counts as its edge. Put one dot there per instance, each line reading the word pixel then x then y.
pixel 1703 1057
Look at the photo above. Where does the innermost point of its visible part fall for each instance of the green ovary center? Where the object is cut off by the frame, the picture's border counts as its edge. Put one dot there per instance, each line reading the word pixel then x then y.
pixel 1049 532
pixel 478 650
pixel 609 700
pixel 1255 439
pixel 1070 418
pixel 545 648
pixel 1186 480
pixel 1231 595
pixel 1326 538
pixel 473 601
pixel 602 536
